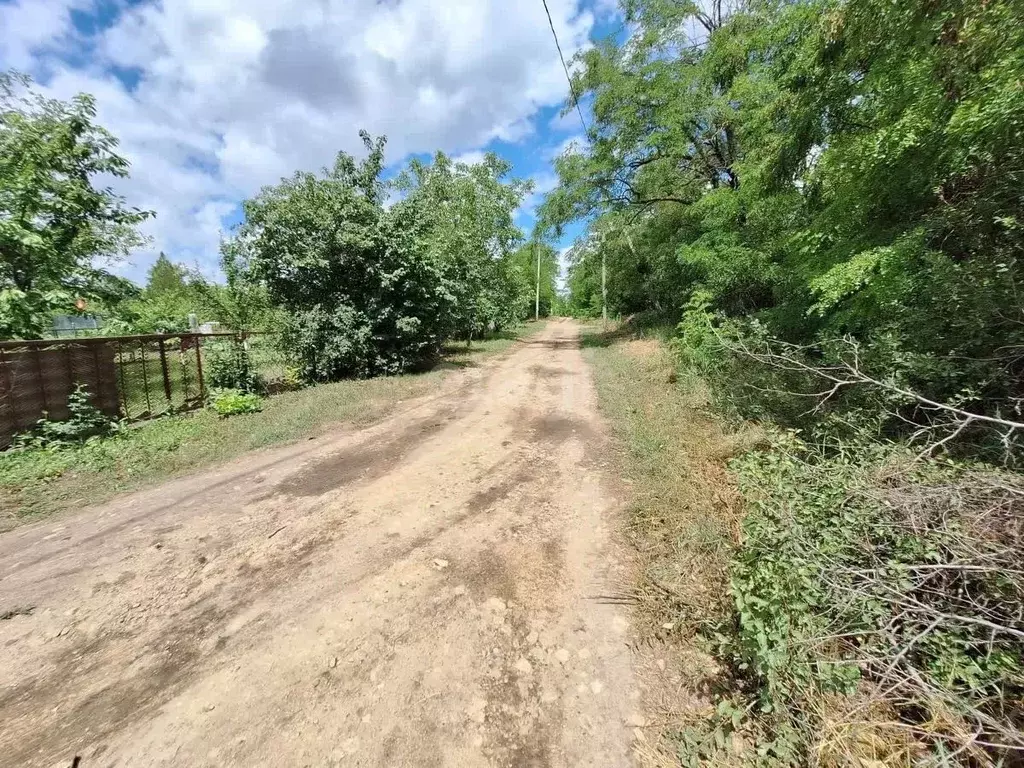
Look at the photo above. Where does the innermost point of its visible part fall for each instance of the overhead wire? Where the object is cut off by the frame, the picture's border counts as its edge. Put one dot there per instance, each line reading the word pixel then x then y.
pixel 586 133
pixel 565 68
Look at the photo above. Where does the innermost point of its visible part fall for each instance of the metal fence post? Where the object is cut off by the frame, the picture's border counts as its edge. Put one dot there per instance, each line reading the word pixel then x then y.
pixel 8 395
pixel 166 373
pixel 70 368
pixel 198 342
pixel 145 378
pixel 40 383
pixel 120 373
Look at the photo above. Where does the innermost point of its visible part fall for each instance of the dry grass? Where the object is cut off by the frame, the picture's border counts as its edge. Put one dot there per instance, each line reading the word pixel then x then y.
pixel 913 581
pixel 683 518
pixel 875 738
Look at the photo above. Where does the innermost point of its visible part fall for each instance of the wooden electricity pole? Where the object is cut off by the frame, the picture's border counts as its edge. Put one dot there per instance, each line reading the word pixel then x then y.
pixel 604 290
pixel 536 303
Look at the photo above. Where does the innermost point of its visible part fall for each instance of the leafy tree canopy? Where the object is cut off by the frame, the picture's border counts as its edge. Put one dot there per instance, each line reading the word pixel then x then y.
pixel 369 288
pixel 467 229
pixel 824 168
pixel 165 277
pixel 56 224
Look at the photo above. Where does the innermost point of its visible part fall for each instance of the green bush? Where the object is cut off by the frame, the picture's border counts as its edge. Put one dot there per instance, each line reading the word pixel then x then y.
pixel 363 301
pixel 877 599
pixel 229 402
pixel 370 289
pixel 84 422
pixel 227 365
pixel 292 379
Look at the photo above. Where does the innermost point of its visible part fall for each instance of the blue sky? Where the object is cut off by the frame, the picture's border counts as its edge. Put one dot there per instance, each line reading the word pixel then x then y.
pixel 212 99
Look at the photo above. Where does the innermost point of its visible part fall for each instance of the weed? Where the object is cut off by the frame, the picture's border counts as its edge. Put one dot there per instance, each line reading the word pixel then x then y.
pixel 231 402
pixel 291 379
pixel 871 591
pixel 866 611
pixel 684 511
pixel 228 366
pixel 84 422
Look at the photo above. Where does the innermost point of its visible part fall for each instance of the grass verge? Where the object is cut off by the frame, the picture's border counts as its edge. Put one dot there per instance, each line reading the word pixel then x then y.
pixel 40 482
pixel 839 603
pixel 684 510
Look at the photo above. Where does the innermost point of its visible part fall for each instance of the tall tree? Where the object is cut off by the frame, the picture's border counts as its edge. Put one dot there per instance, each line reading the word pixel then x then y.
pixel 240 303
pixel 523 264
pixel 361 299
pixel 165 277
pixel 466 212
pixel 824 168
pixel 56 224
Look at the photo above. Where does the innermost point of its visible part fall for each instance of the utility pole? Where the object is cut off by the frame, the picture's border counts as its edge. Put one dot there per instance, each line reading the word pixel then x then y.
pixel 536 303
pixel 604 289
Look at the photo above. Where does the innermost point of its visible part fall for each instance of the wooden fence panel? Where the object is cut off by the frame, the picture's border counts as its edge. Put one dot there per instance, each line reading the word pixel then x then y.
pixel 131 377
pixel 35 382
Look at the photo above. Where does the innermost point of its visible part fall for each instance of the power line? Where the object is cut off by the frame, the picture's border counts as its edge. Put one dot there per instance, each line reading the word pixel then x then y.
pixel 568 79
pixel 586 132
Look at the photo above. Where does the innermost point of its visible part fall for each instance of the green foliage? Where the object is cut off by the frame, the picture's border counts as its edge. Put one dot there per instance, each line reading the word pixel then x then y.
pixel 227 365
pixel 368 289
pixel 464 227
pixel 292 379
pixel 866 575
pixel 165 312
pixel 165 277
pixel 522 267
pixel 173 293
pixel 55 224
pixel 825 168
pixel 240 303
pixel 231 402
pixel 84 422
pixel 840 179
pixel 360 299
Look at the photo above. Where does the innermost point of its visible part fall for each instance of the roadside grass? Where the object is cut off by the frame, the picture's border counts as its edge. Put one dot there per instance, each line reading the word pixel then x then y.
pixel 834 604
pixel 684 513
pixel 35 483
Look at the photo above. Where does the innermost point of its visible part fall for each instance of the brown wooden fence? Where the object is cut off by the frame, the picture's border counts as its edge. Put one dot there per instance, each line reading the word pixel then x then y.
pixel 130 377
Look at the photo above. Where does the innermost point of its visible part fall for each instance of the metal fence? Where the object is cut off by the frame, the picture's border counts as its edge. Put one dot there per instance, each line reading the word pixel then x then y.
pixel 129 377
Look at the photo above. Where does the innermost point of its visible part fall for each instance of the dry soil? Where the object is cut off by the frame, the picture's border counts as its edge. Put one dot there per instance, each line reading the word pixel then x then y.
pixel 437 589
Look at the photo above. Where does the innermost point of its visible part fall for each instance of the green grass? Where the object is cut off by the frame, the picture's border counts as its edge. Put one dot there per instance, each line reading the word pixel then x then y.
pixel 40 482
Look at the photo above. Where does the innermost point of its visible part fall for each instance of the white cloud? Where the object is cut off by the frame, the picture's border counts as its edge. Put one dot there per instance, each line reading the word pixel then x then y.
pixel 31 26
pixel 228 95
pixel 474 157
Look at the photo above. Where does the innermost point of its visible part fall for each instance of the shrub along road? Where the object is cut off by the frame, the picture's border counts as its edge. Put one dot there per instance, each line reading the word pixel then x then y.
pixel 425 591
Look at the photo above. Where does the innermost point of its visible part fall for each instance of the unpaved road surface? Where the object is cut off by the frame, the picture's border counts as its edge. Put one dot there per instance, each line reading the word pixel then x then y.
pixel 428 591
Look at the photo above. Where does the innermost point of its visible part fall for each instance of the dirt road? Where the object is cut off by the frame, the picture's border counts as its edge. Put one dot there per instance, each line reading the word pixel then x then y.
pixel 424 592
